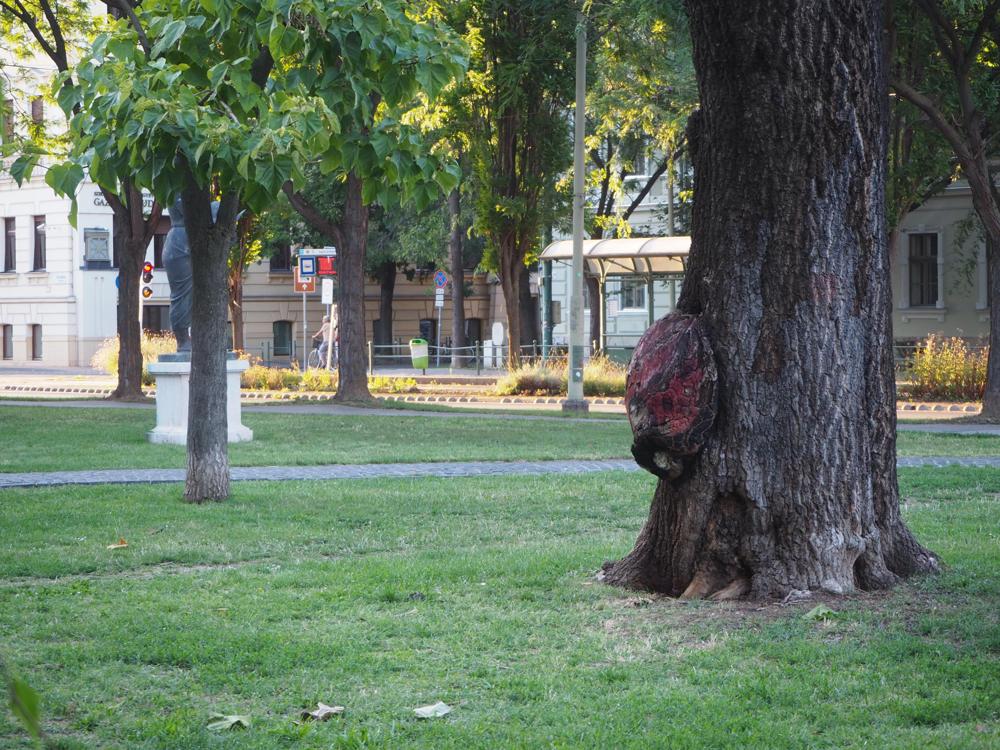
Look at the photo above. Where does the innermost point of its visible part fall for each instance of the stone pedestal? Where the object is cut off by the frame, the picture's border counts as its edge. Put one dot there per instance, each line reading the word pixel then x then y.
pixel 173 375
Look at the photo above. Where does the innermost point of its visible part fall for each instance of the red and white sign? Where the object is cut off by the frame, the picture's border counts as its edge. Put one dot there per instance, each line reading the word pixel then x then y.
pixel 306 285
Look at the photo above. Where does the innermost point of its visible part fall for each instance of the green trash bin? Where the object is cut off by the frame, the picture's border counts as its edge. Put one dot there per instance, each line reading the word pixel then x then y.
pixel 419 353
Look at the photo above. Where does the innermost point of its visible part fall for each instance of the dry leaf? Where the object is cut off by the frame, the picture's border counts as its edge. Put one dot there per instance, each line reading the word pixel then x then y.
pixel 218 722
pixel 432 712
pixel 323 712
pixel 121 544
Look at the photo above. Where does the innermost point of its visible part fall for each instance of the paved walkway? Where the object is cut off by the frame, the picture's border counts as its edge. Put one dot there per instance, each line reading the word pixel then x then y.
pixel 378 471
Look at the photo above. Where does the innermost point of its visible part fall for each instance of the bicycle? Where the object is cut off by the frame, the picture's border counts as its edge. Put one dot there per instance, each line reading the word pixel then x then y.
pixel 313 361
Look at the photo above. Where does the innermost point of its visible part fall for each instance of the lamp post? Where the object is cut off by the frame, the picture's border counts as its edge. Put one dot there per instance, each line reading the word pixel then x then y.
pixel 575 401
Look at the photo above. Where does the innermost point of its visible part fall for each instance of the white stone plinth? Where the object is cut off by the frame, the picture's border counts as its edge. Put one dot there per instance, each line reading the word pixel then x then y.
pixel 172 381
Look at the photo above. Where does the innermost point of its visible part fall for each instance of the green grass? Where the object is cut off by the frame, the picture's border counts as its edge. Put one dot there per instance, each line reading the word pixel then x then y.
pixel 913 443
pixel 386 595
pixel 67 439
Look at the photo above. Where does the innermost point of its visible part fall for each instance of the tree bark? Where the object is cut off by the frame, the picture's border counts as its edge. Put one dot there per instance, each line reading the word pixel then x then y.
pixel 510 272
pixel 131 235
pixel 456 265
pixel 794 486
pixel 208 431
pixel 529 310
pixel 991 394
pixel 594 292
pixel 386 286
pixel 352 367
pixel 236 309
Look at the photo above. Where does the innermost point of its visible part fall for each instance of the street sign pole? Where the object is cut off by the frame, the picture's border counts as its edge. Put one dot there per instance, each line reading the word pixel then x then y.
pixel 331 339
pixel 305 328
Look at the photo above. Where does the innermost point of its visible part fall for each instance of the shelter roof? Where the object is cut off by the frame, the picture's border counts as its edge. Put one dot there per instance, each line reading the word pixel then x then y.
pixel 632 255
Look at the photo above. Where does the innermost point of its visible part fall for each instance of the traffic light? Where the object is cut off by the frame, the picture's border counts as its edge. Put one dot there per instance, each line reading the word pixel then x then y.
pixel 147 277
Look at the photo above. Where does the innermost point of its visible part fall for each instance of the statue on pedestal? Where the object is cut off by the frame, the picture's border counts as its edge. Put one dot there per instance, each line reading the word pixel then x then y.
pixel 177 259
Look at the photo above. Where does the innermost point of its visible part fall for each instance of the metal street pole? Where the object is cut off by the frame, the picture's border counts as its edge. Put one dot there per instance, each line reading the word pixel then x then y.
pixel 575 400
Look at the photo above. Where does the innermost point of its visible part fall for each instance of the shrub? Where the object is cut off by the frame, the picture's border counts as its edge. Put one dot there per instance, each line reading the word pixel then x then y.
pixel 380 384
pixel 532 380
pixel 946 368
pixel 603 377
pixel 152 345
pixel 270 379
pixel 315 379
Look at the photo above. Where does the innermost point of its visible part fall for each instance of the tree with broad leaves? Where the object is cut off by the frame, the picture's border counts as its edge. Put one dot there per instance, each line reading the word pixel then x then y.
pixel 282 89
pixel 958 91
pixel 641 92
pixel 61 31
pixel 766 404
pixel 521 85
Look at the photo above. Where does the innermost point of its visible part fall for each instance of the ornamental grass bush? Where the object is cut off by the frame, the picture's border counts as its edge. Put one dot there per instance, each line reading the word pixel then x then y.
pixel 260 378
pixel 601 377
pixel 152 345
pixel 948 369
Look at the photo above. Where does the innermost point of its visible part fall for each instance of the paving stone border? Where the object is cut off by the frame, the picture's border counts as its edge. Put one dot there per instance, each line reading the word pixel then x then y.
pixel 451 398
pixel 441 469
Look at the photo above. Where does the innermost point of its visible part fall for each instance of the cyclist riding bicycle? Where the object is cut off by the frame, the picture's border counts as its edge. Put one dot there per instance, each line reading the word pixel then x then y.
pixel 324 336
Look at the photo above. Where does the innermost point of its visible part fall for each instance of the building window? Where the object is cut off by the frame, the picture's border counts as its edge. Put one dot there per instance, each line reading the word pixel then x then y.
pixel 8 341
pixel 9 245
pixel 282 338
pixel 36 341
pixel 156 318
pixel 159 240
pixel 39 222
pixel 281 259
pixel 37 111
pixel 923 257
pixel 633 294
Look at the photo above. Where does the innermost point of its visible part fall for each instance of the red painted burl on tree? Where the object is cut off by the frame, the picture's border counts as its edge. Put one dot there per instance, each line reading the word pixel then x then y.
pixel 671 394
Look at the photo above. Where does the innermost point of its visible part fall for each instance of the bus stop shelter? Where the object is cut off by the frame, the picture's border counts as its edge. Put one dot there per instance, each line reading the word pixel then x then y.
pixel 646 257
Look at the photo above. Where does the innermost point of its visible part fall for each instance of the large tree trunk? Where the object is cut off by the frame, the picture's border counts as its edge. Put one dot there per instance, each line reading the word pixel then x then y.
pixel 794 486
pixel 456 264
pixel 208 443
pixel 352 366
pixel 386 274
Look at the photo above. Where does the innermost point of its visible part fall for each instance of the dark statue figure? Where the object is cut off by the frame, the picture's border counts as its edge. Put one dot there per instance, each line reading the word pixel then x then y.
pixel 177 259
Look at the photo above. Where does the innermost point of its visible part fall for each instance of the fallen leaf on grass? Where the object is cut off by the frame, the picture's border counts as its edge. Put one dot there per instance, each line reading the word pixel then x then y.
pixel 819 612
pixel 323 712
pixel 120 544
pixel 432 712
pixel 218 722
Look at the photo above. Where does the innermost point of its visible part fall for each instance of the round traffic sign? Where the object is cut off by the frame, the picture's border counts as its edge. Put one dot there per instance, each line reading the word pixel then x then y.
pixel 440 279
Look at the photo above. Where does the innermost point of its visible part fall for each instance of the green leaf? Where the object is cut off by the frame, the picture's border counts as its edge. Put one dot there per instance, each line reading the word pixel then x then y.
pixel 169 37
pixel 22 167
pixel 25 704
pixel 819 612
pixel 218 722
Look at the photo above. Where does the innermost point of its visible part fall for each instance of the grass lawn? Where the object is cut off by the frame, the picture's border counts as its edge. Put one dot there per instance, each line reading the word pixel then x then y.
pixel 67 439
pixel 386 595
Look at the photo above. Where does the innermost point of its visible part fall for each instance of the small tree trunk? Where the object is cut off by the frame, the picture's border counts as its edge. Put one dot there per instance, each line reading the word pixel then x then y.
pixel 236 309
pixel 794 485
pixel 457 266
pixel 130 259
pixel 352 367
pixel 529 309
pixel 208 431
pixel 132 233
pixel 991 394
pixel 594 292
pixel 509 284
pixel 386 290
